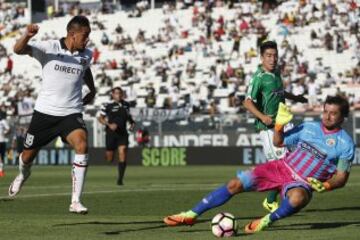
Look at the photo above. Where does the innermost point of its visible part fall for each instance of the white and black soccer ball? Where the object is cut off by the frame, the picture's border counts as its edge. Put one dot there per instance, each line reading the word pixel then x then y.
pixel 224 225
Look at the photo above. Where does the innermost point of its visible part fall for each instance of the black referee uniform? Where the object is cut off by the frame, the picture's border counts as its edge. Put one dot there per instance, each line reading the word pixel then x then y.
pixel 117 112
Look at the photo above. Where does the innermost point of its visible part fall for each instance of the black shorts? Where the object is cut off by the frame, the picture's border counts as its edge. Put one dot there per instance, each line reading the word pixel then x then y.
pixel 45 128
pixel 2 150
pixel 113 140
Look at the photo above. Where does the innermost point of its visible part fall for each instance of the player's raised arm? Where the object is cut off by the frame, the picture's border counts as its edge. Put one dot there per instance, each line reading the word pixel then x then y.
pixel 21 46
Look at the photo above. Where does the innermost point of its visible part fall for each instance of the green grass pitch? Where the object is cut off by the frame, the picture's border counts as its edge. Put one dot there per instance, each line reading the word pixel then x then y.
pixel 135 210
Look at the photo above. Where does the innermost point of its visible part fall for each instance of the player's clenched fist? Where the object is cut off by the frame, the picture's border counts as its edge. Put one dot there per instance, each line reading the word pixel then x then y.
pixel 32 30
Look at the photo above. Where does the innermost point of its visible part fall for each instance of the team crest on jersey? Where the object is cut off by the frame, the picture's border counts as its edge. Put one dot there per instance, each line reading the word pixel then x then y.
pixel 83 61
pixel 279 153
pixel 330 141
pixel 29 140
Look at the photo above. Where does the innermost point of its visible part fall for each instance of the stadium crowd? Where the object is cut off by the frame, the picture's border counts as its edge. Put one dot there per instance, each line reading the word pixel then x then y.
pixel 202 54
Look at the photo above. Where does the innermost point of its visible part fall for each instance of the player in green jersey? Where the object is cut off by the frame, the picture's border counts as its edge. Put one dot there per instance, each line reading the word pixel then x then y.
pixel 264 94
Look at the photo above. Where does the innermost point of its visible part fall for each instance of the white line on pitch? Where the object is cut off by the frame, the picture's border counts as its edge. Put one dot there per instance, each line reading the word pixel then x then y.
pixel 109 191
pixel 174 188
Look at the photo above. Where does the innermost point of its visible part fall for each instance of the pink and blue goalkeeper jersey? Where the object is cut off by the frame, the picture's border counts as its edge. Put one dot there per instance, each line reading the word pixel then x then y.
pixel 318 153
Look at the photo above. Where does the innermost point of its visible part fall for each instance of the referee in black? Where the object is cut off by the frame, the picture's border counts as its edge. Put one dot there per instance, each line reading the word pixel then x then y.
pixel 114 116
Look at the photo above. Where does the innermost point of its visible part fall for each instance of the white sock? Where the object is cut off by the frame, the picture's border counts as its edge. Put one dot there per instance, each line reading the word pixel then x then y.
pixel 24 169
pixel 78 176
pixel 1 166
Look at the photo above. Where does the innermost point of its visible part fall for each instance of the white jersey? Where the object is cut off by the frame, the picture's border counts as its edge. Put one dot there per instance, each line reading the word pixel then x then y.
pixel 4 127
pixel 62 77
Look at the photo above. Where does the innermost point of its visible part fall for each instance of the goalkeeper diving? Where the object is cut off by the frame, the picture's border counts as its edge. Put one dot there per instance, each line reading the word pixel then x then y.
pixel 320 162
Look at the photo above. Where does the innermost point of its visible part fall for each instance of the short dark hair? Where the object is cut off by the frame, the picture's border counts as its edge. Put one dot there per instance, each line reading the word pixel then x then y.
pixel 266 45
pixel 341 101
pixel 78 21
pixel 116 88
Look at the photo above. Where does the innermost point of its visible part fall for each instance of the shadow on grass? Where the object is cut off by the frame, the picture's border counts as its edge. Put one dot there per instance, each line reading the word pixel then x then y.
pixel 107 223
pixel 314 226
pixel 333 209
pixel 239 234
pixel 157 225
pixel 6 199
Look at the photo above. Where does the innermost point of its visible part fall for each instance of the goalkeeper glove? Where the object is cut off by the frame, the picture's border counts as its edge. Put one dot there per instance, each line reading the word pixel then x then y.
pixel 318 185
pixel 283 116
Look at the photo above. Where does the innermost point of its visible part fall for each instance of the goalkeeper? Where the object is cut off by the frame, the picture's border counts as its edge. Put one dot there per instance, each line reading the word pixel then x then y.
pixel 320 162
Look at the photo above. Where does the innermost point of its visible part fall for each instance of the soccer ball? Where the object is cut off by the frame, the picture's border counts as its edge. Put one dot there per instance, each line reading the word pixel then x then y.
pixel 224 225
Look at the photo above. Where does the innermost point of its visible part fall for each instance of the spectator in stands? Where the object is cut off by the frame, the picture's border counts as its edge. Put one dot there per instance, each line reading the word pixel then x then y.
pixel 244 26
pixel 190 68
pixel 119 29
pixel 150 99
pixel 17 144
pixel 340 42
pixel 355 78
pixel 329 80
pixel 213 112
pixel 232 100
pixel 213 82
pixel 96 55
pixel 105 39
pixel 142 137
pixel 140 37
pixel 313 91
pixel 113 64
pixel 209 23
pixel 249 54
pixel 9 65
pixel 224 79
pixel 328 41
pixel 135 13
pixel 236 46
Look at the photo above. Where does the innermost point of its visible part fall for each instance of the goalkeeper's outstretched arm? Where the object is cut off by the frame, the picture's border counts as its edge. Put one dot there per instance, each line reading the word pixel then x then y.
pixel 339 180
pixel 283 117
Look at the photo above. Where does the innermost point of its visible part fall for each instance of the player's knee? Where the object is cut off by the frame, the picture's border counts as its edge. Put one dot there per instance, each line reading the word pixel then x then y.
pixel 80 147
pixel 235 186
pixel 122 153
pixel 298 197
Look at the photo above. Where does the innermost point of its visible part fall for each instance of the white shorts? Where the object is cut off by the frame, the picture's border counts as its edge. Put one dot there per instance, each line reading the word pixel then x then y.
pixel 270 151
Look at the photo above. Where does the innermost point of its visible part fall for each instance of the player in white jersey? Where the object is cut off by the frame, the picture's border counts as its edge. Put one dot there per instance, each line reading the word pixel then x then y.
pixel 4 130
pixel 65 67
